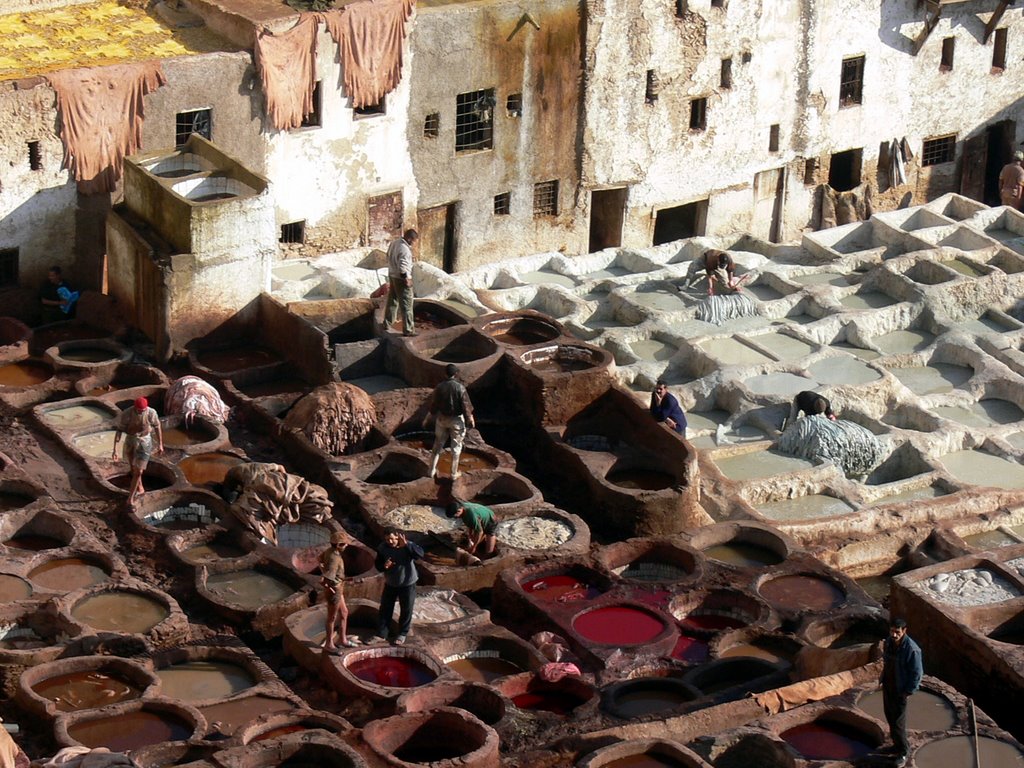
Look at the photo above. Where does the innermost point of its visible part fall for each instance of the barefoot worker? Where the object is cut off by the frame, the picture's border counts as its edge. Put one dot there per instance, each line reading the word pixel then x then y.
pixel 138 422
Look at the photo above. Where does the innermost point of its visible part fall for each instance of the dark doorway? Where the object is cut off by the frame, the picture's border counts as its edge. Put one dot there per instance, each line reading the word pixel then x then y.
pixel 437 236
pixel 1000 152
pixel 681 221
pixel 844 170
pixel 607 210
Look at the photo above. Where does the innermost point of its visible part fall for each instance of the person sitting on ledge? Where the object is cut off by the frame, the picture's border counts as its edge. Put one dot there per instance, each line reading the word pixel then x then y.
pixel 665 408
pixel 57 298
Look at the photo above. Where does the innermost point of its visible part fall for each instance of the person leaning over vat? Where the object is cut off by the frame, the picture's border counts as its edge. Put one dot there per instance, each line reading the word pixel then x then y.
pixel 137 422
pixel 332 577
pixel 479 520
pixel 396 559
pixel 810 404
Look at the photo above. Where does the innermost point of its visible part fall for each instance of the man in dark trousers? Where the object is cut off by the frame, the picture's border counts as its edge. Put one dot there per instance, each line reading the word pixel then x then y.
pixel 453 412
pixel 396 559
pixel 479 520
pixel 901 676
pixel 400 291
pixel 665 408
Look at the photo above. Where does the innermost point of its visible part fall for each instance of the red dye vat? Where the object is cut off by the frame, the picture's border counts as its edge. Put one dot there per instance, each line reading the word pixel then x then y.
pixel 560 702
pixel 618 625
pixel 656 598
pixel 713 622
pixel 392 671
pixel 828 741
pixel 560 589
pixel 690 649
pixel 797 593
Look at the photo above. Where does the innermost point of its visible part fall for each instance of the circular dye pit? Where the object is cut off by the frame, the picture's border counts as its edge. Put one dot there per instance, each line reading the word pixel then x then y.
pixel 68 574
pixel 558 701
pixel 829 740
pixel 712 622
pixel 248 589
pixel 641 479
pixel 236 359
pixel 753 651
pixel 85 354
pixel 23 374
pixel 13 588
pixel 730 673
pixel 648 696
pixel 958 752
pixel 33 542
pixel 392 671
pixel 690 649
pixel 207 468
pixel 483 669
pixel 926 711
pixel 521 332
pixel 118 611
pixel 131 730
pixel 86 690
pixel 76 416
pixel 9 501
pixel 182 436
pixel 469 460
pixel 214 550
pixel 643 760
pixel 743 554
pixel 561 588
pixel 151 481
pixel 932 379
pixel 533 532
pixel 799 592
pixel 229 716
pixel 618 625
pixel 649 570
pixel 199 680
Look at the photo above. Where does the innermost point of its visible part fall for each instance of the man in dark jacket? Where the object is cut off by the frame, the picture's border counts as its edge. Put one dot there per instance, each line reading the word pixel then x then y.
pixel 901 676
pixel 665 408
pixel 396 559
pixel 452 411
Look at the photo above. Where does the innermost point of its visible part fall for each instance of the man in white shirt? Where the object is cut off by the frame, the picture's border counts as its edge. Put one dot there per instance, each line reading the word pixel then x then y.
pixel 400 282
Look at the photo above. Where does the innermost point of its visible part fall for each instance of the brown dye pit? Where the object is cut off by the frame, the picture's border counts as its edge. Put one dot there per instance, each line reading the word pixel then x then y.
pixel 9 501
pixel 925 711
pixel 469 460
pixel 561 365
pixel 282 386
pixel 392 671
pixel 483 669
pixel 493 499
pixel 641 479
pixel 199 680
pixel 85 690
pixel 958 752
pixel 236 358
pixel 150 481
pixel 560 588
pixel 248 589
pixel 13 588
pixel 208 468
pixel 68 574
pixel 742 554
pixel 429 321
pixel 23 374
pixel 797 592
pixel 229 716
pixel 522 337
pixel 439 554
pixel 88 355
pixel 118 611
pixel 204 553
pixel 178 437
pixel 33 543
pixel 750 651
pixel 649 697
pixel 644 760
pixel 131 730
pixel 828 740
pixel 283 730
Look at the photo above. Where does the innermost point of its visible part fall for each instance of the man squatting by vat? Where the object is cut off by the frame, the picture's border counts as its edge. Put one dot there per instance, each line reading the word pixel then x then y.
pixel 901 676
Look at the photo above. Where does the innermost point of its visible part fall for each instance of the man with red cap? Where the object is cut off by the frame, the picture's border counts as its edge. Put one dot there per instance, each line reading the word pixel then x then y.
pixel 137 422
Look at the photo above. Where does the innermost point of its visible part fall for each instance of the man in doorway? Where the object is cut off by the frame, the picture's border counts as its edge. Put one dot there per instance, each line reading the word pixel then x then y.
pixel 453 412
pixel 57 298
pixel 138 422
pixel 400 291
pixel 396 558
pixel 1011 182
pixel 666 410
pixel 332 576
pixel 901 676
pixel 479 520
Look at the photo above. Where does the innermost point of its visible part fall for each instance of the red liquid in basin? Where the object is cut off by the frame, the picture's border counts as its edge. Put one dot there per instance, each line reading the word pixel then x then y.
pixel 392 671
pixel 618 625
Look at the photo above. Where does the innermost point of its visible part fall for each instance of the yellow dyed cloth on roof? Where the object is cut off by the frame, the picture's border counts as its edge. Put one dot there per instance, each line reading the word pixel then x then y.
pixel 286 64
pixel 101 113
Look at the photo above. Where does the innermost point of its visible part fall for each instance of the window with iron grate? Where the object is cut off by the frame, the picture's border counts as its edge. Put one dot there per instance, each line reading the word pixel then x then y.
pixel 851 81
pixel 194 121
pixel 474 120
pixel 938 150
pixel 545 198
pixel 503 204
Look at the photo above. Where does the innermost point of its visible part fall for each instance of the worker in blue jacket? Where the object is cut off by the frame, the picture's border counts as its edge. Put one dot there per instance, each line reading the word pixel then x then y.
pixel 901 676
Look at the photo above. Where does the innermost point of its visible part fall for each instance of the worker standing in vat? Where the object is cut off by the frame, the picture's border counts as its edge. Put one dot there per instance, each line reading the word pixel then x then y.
pixel 396 558
pixel 138 422
pixel 453 412
pixel 57 298
pixel 1011 182
pixel 665 408
pixel 811 404
pixel 901 676
pixel 332 576
pixel 480 521
pixel 400 282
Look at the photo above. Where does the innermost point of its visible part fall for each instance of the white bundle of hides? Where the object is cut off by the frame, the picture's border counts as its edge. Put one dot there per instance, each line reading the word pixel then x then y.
pixel 335 417
pixel 190 396
pixel 84 757
pixel 717 309
pixel 850 446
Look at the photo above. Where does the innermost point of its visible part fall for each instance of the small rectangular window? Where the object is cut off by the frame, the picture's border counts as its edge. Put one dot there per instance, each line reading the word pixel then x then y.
pixel 35 159
pixel 652 87
pixel 725 79
pixel 194 121
pixel 503 204
pixel 514 105
pixel 293 232
pixel 773 138
pixel 8 266
pixel 999 50
pixel 432 125
pixel 851 81
pixel 474 120
pixel 698 114
pixel 313 119
pixel 746 57
pixel 545 198
pixel 718 3
pixel 948 46
pixel 941 149
pixel 370 110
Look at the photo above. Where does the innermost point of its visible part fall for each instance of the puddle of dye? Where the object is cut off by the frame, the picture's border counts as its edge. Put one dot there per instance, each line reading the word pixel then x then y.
pixel 208 468
pixel 730 351
pixel 232 715
pixel 560 588
pixel 561 365
pixel 925 711
pixel 653 350
pixel 283 730
pixel 901 342
pixel 392 671
pixel 932 379
pixel 644 760
pixel 204 553
pixel 711 622
pixel 23 374
pixel 120 612
pixel 176 437
pixel 958 752
pixel 867 300
pixel 962 267
pixel 828 741
pixel 248 589
pixel 618 625
pixel 913 494
pixel 236 359
pixel 757 464
pixel 76 417
pixel 821 278
pixel 750 651
pixel 648 699
pixel 641 479
pixel 68 574
pixel 483 669
pixel 546 277
pixel 779 384
pixel 9 501
pixel 743 554
pixel 843 369
pixel 692 650
pixel 13 588
pixel 282 386
pixel 88 355
pixel 558 702
pixel 33 543
pixel 980 468
pixel 798 593
pixel 198 680
pixel 98 445
pixel 990 539
pixel 85 690
pixel 130 730
pixel 985 413
pixel 804 507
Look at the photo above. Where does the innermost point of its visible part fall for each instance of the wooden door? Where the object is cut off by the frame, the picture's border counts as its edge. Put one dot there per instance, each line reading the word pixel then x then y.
pixel 437 236
pixel 972 173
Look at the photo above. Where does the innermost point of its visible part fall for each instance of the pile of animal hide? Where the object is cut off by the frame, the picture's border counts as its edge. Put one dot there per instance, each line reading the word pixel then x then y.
pixel 719 308
pixel 850 446
pixel 190 396
pixel 269 496
pixel 335 417
pixel 84 757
